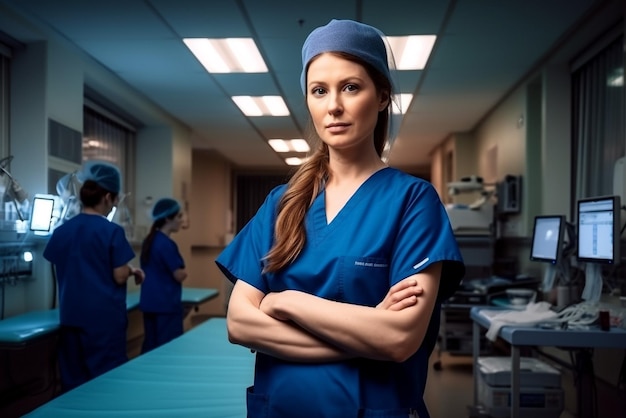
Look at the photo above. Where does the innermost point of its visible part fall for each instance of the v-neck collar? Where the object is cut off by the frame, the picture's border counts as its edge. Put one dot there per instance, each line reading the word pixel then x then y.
pixel 319 205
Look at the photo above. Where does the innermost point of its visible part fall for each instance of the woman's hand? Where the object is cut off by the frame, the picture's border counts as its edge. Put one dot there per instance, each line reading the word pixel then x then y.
pixel 269 304
pixel 401 295
pixel 138 274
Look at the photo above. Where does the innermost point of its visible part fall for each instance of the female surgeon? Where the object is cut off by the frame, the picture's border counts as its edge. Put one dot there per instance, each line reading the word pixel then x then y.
pixel 339 277
pixel 91 257
pixel 164 267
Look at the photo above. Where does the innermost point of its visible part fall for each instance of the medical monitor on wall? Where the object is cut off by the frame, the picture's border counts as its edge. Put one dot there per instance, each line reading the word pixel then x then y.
pixel 598 230
pixel 41 214
pixel 547 238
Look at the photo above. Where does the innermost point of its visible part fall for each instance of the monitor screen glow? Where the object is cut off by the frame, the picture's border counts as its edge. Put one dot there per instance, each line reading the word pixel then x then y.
pixel 599 230
pixel 112 214
pixel 41 215
pixel 547 238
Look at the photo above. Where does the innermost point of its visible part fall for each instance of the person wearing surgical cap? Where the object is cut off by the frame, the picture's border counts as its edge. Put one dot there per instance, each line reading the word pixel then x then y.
pixel 339 276
pixel 164 267
pixel 91 257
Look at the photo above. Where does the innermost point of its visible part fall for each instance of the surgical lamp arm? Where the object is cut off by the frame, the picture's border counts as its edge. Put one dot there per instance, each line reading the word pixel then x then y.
pixel 16 192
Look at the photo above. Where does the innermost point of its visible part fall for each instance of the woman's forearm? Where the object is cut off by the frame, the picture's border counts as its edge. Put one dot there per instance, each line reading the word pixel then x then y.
pixel 380 334
pixel 250 327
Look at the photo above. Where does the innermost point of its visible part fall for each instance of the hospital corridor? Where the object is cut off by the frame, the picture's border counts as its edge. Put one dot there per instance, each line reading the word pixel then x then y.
pixel 323 209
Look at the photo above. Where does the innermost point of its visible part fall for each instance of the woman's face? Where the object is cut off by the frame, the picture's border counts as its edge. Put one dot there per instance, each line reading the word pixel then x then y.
pixel 176 223
pixel 343 102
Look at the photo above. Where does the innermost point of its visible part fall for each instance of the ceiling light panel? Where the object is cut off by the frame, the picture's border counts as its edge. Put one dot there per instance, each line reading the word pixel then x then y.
pixel 279 145
pixel 261 106
pixel 300 145
pixel 403 106
pixel 275 105
pixel 411 52
pixel 229 55
pixel 289 145
pixel 294 161
pixel 247 105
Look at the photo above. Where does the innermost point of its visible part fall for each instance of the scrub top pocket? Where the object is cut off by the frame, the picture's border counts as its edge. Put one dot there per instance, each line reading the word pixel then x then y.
pixel 363 280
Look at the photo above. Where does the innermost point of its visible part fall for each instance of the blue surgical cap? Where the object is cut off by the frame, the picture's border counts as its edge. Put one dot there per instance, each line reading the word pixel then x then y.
pixel 164 208
pixel 106 175
pixel 354 38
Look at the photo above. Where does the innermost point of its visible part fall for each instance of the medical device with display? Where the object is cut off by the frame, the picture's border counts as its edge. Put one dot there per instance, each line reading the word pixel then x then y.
pixel 41 214
pixel 598 230
pixel 547 238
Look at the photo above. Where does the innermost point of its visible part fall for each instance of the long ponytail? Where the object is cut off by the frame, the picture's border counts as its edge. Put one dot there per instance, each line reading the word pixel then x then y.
pixel 303 188
pixel 146 245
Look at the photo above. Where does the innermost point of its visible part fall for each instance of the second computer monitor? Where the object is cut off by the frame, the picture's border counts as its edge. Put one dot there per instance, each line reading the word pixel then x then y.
pixel 599 230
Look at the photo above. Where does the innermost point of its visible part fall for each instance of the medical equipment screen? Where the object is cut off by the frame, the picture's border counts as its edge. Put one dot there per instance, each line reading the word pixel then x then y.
pixel 547 238
pixel 598 230
pixel 41 215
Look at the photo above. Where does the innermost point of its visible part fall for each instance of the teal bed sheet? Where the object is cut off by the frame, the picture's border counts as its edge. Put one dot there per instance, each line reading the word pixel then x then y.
pixel 200 374
pixel 21 329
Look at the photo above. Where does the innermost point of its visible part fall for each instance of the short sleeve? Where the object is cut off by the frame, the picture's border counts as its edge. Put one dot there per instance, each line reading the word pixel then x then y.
pixel 171 256
pixel 425 237
pixel 122 253
pixel 242 259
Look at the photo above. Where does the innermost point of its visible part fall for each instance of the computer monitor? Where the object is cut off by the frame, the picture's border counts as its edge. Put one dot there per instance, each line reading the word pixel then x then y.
pixel 41 214
pixel 598 230
pixel 547 238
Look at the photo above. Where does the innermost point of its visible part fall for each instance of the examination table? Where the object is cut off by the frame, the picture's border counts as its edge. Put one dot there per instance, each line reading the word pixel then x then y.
pixel 28 350
pixel 22 329
pixel 199 374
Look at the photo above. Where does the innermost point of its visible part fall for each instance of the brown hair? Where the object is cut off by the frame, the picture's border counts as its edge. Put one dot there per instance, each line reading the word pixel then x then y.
pixel 91 194
pixel 309 179
pixel 146 245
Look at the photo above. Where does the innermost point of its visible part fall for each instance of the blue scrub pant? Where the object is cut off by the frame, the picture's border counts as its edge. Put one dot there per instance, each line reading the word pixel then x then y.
pixel 85 353
pixel 160 328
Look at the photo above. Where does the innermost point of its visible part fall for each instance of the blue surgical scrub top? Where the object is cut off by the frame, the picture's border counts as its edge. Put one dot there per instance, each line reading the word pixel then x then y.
pixel 85 250
pixel 160 292
pixel 393 226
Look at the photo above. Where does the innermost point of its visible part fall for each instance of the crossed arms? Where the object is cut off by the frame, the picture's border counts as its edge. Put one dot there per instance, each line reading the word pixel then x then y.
pixel 301 327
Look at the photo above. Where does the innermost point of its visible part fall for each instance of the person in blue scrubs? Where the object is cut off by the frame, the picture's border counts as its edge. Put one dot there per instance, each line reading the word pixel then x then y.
pixel 91 257
pixel 339 277
pixel 165 271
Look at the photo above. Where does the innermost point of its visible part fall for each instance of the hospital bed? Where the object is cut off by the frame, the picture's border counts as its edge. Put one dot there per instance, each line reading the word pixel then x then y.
pixel 28 344
pixel 199 374
pixel 190 299
pixel 22 329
